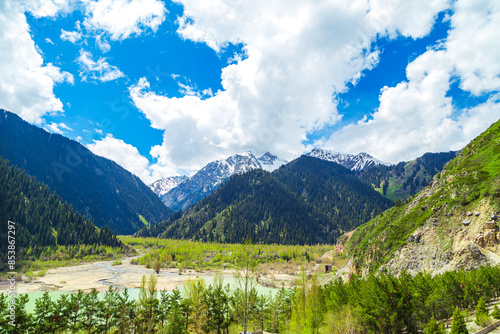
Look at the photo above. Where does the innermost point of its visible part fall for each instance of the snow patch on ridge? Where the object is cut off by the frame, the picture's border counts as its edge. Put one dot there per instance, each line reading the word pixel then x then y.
pixel 353 162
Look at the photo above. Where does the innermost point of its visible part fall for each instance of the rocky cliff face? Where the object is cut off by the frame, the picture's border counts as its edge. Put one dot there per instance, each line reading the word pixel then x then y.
pixel 452 240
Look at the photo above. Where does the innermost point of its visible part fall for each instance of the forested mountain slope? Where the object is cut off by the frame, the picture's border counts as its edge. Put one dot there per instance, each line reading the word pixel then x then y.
pixel 451 224
pixel 403 180
pixel 40 217
pixel 252 205
pixel 334 190
pixel 307 201
pixel 97 187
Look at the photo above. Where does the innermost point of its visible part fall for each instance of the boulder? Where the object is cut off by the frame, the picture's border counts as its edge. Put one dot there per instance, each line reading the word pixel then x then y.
pixel 493 217
pixel 479 240
pixel 466 222
pixel 469 213
pixel 490 238
pixel 491 225
pixel 477 213
pixel 475 252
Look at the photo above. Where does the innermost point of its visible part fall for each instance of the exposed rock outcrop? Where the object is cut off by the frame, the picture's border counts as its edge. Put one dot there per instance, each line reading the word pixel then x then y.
pixel 453 243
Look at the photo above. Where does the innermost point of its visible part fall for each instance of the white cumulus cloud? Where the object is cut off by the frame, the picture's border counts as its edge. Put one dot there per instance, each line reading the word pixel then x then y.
pixel 97 70
pixel 57 127
pixel 71 36
pixel 121 19
pixel 417 116
pixel 473 45
pixel 298 56
pixel 26 83
pixel 128 157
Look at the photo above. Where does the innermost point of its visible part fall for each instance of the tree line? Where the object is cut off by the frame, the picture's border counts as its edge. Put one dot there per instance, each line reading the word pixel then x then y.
pixel 375 304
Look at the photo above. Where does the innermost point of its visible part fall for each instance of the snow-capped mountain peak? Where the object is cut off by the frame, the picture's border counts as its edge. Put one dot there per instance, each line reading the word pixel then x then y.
pixel 213 175
pixel 353 162
pixel 270 162
pixel 163 186
pixel 235 164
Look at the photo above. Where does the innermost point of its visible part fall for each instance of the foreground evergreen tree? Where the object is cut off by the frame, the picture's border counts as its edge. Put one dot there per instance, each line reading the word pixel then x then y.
pixel 245 297
pixel 433 327
pixel 481 308
pixel 123 318
pixel 482 316
pixel 24 321
pixel 176 314
pixel 218 298
pixel 148 305
pixel 458 325
pixel 43 314
pixel 374 304
pixel 195 300
pixel 496 312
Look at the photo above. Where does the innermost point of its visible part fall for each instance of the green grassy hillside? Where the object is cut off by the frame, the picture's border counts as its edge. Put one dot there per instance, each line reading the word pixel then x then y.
pixel 471 179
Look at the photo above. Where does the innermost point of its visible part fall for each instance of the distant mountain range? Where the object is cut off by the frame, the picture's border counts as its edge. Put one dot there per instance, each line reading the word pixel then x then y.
pixel 181 192
pixel 394 181
pixel 339 190
pixel 353 162
pixel 305 202
pixel 97 187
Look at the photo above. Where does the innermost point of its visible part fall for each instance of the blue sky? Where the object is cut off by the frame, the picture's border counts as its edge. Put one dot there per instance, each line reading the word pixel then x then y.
pixel 164 87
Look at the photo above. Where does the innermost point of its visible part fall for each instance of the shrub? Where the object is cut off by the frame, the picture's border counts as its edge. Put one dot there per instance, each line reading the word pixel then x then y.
pixel 157 266
pixel 483 320
pixel 496 312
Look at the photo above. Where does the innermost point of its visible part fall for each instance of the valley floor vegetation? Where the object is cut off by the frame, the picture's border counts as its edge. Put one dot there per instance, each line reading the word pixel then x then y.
pixel 204 256
pixel 374 304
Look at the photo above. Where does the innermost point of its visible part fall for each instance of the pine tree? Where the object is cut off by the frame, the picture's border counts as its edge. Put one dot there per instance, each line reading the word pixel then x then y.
pixel 175 314
pixel 24 320
pixel 482 315
pixel 481 307
pixel 458 325
pixel 107 309
pixel 496 312
pixel 90 308
pixel 195 299
pixel 43 314
pixel 433 327
pixel 218 304
pixel 123 319
pixel 148 304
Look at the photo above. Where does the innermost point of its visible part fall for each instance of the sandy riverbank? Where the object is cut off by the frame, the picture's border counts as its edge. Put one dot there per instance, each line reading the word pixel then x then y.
pixel 100 275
